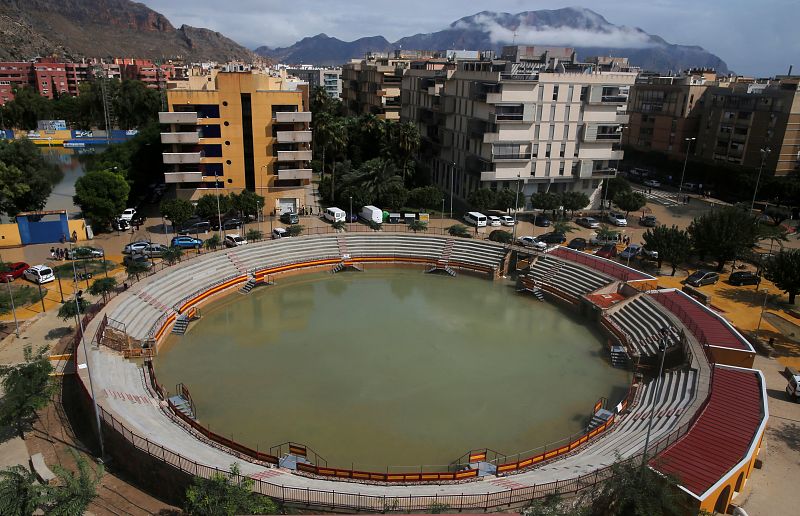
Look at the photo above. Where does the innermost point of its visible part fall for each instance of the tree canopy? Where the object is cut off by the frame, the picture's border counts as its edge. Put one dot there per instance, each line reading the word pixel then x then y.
pixel 27 387
pixel 672 244
pixel 102 195
pixel 545 201
pixel 630 201
pixel 177 211
pixel 26 178
pixel 481 199
pixel 783 269
pixel 226 495
pixel 572 201
pixel 723 234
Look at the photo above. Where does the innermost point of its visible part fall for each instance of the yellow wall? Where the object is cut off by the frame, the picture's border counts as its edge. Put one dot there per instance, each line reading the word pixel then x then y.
pixel 9 235
pixel 711 500
pixel 79 227
pixel 733 357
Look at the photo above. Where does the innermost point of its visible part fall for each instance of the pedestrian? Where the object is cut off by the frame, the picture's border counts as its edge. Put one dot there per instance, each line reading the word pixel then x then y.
pixel 52 253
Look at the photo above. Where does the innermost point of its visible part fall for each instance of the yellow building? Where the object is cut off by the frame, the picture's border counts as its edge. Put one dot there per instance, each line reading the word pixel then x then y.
pixel 235 131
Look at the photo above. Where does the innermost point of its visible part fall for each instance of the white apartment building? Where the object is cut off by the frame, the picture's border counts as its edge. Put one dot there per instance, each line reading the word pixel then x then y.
pixel 537 117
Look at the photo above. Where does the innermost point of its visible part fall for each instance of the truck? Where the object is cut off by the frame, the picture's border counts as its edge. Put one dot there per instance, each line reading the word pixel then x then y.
pixel 371 214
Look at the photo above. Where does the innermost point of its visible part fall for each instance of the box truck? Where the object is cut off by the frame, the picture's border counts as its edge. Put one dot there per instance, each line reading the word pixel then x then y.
pixel 371 214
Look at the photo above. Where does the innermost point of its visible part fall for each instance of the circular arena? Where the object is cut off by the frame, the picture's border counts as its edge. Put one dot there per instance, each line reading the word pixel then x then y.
pixel 705 413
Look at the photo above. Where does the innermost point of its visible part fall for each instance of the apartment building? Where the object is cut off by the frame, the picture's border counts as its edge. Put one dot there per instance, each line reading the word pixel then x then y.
pixel 665 111
pixel 372 85
pixel 237 131
pixel 328 78
pixel 740 120
pixel 536 116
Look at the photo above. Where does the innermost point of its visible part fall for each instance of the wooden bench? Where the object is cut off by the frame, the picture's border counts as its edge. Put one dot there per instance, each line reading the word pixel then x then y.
pixel 41 469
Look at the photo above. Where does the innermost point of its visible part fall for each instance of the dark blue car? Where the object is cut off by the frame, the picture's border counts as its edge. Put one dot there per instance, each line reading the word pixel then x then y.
pixel 186 242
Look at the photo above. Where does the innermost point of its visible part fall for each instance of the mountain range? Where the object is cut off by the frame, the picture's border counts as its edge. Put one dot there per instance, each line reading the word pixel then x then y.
pixel 105 28
pixel 585 30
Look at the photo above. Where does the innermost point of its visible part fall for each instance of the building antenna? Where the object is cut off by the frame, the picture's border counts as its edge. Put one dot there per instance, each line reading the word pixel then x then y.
pixel 514 38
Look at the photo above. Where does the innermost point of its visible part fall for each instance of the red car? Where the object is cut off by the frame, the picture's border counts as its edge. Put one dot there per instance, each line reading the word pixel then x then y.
pixel 14 271
pixel 607 251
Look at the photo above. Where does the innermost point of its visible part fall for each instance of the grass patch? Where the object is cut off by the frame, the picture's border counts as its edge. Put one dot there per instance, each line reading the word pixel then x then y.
pixel 24 295
pixel 94 266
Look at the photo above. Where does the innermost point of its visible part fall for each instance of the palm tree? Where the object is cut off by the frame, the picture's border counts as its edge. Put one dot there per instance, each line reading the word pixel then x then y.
pixel 337 140
pixel 102 287
pixel 76 490
pixel 563 226
pixel 135 268
pixel 418 225
pixel 407 142
pixel 458 230
pixel 172 255
pixel 377 176
pixel 21 494
pixel 322 134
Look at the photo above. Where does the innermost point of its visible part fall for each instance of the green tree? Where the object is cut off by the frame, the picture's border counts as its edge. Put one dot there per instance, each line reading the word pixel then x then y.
pixel 723 234
pixel 672 244
pixel 69 310
pixel 26 109
pixel 429 197
pixel 37 175
pixel 574 201
pixel 213 242
pixel 630 201
pixel 562 226
pixel 481 199
pixel 507 199
pixel 418 225
pixel 102 286
pixel 783 269
pixel 102 195
pixel 177 211
pixel 226 495
pixel 459 230
pixel 294 230
pixel 27 388
pixel 135 105
pixel 76 490
pixel 135 268
pixel 501 235
pixel 172 255
pixel 21 494
pixel 606 233
pixel 247 203
pixel 615 185
pixel 545 201
pixel 207 206
pixel 12 188
pixel 254 235
pixel 394 197
pixel 407 144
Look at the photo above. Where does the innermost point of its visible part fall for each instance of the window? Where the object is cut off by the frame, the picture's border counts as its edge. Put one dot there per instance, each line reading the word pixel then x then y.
pixel 561 152
pixel 552 131
pixel 539 111
pixel 566 113
pixel 561 168
pixel 536 132
pixel 570 92
pixel 552 112
pixel 584 92
pixel 555 92
pixel 547 152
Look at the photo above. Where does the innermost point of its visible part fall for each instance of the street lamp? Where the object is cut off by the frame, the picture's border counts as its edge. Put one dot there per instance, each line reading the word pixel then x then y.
pixel 763 307
pixel 516 210
pixel 685 161
pixel 13 308
pixel 764 153
pixel 452 171
pixel 350 218
pixel 662 346
pixel 442 217
pixel 219 214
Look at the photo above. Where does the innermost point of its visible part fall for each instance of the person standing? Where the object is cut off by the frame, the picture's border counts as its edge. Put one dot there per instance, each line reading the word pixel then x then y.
pixel 52 253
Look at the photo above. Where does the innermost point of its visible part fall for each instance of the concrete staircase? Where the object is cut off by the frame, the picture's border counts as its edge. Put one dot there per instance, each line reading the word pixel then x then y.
pixel 181 324
pixel 598 418
pixel 529 285
pixel 247 287
pixel 182 405
pixel 443 262
pixel 619 358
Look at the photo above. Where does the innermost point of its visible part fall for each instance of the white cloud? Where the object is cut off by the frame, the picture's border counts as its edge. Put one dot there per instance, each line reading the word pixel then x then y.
pixel 618 37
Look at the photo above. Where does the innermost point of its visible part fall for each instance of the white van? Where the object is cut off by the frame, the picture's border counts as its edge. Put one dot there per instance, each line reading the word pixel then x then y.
pixel 372 214
pixel 476 219
pixel 335 215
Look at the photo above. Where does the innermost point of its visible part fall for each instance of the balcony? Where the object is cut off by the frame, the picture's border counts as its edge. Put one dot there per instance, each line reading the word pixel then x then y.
pixel 170 117
pixel 508 117
pixel 613 99
pixel 294 136
pixel 294 173
pixel 622 118
pixel 493 98
pixel 177 158
pixel 604 173
pixel 301 155
pixel 292 116
pixel 187 137
pixel 183 177
pixel 522 156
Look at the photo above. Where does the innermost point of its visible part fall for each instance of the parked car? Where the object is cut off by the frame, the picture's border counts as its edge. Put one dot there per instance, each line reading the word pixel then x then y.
pixel 83 252
pixel 128 214
pixel 607 251
pixel 648 221
pixel 744 278
pixel 279 233
pixel 700 278
pixel 647 254
pixel 39 274
pixel 632 251
pixel 493 220
pixel 120 225
pixel 232 223
pixel 186 242
pixel 588 222
pixel 13 271
pixel 195 225
pixel 290 218
pixel 234 240
pixel 135 247
pixel 554 237
pixel 507 220
pixel 595 240
pixel 137 258
pixel 541 220
pixel 154 250
pixel 617 218
pixel 652 183
pixel 533 242
pixel 689 187
pixel 579 244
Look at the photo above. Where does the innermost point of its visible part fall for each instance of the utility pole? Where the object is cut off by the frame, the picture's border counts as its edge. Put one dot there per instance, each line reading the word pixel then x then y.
pixel 764 153
pixel 685 162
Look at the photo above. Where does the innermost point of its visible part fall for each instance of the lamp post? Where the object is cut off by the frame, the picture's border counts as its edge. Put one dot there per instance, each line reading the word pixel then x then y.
pixel 258 203
pixel 442 217
pixel 452 172
pixel 219 214
pixel 13 308
pixel 763 307
pixel 685 162
pixel 86 360
pixel 516 210
pixel 662 344
pixel 764 153
pixel 350 217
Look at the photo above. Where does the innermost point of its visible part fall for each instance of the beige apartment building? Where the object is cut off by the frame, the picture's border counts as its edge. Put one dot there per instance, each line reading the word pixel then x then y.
pixel 372 86
pixel 536 116
pixel 238 130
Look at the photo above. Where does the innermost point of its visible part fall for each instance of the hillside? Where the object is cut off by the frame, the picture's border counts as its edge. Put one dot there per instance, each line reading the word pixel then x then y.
pixel 104 28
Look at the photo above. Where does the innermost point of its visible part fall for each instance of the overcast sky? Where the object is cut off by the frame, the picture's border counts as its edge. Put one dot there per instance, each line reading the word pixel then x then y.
pixel 753 37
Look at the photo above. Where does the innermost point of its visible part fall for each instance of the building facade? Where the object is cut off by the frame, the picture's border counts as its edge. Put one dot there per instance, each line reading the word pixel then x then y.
pixel 239 131
pixel 328 78
pixel 372 86
pixel 536 117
